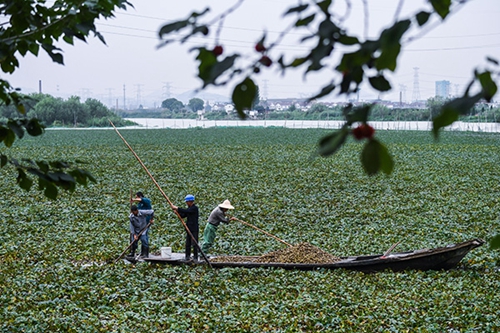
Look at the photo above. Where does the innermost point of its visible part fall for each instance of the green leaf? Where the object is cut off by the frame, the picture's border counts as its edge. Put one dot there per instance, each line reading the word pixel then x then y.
pixel 16 128
pixel 357 114
pixel 386 160
pixel 34 48
pixel 495 242
pixel 243 96
pixel 50 191
pixel 422 17
pixel 81 176
pixel 380 83
pixel 324 6
pixel 203 29
pixel 327 29
pixel 326 90
pixel 7 136
pixel 209 68
pixel 452 110
pixel 297 9
pixel 331 143
pixel 488 85
pixel 442 7
pixel 375 157
pixel 390 45
pixel 297 62
pixel 171 27
pixel 34 128
pixel 494 61
pixel 21 109
pixel 43 166
pixel 3 160
pixel 392 35
pixel 347 40
pixel 305 21
pixel 23 180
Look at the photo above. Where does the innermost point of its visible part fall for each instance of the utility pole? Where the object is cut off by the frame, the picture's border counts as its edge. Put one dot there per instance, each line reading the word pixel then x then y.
pixel 402 94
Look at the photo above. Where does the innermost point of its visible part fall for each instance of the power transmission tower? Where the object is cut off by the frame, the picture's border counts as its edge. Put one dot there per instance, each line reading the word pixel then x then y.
pixel 86 93
pixel 110 97
pixel 124 103
pixel 416 88
pixel 166 90
pixel 139 102
pixel 264 90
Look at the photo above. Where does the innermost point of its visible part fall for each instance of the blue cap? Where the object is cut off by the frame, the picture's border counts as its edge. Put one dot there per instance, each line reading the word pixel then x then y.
pixel 189 197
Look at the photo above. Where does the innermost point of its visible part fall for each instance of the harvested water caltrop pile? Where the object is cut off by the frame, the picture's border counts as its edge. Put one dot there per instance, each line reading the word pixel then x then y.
pixel 302 253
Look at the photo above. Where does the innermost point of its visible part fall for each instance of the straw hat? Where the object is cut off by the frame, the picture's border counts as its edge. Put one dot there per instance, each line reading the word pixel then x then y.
pixel 226 204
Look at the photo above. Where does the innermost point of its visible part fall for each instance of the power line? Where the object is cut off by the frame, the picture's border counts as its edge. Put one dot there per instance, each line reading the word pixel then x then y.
pixel 454 48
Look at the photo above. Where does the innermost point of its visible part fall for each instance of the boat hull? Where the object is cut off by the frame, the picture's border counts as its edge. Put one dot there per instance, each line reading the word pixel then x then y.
pixel 442 258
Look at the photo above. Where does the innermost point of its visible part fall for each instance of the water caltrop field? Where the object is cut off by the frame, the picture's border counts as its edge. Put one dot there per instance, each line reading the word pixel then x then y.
pixel 57 270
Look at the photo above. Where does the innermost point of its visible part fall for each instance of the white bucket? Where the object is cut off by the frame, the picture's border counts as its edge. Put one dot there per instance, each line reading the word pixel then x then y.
pixel 166 252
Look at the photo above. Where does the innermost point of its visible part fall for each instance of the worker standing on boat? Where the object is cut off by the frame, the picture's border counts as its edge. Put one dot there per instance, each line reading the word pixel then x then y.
pixel 217 216
pixel 138 222
pixel 192 214
pixel 143 203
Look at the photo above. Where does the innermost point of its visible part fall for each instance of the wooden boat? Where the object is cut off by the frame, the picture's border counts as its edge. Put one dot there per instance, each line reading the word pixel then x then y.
pixel 441 258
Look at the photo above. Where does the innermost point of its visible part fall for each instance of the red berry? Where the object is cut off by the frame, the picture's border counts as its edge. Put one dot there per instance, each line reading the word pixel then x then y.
pixel 363 131
pixel 218 50
pixel 259 47
pixel 266 61
pixel 358 133
pixel 368 131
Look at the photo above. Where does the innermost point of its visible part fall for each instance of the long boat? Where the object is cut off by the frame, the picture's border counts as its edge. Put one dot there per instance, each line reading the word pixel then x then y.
pixel 441 258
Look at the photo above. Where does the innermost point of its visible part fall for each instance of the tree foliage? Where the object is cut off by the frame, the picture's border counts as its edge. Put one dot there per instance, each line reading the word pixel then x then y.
pixel 367 60
pixel 28 26
pixel 196 104
pixel 172 104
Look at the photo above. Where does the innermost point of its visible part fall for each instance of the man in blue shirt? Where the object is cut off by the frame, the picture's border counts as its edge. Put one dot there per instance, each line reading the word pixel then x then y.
pixel 192 215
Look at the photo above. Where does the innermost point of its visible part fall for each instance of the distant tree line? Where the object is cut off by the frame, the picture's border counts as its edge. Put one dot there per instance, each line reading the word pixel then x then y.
pixel 481 112
pixel 56 112
pixel 172 108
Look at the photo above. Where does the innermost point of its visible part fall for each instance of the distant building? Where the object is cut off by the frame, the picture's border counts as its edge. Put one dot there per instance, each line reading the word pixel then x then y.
pixel 443 89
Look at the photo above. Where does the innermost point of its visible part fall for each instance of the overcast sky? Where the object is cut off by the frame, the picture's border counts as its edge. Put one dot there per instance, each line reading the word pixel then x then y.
pixel 131 67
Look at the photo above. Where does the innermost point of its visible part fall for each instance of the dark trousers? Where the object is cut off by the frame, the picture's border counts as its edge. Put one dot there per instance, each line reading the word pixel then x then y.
pixel 195 229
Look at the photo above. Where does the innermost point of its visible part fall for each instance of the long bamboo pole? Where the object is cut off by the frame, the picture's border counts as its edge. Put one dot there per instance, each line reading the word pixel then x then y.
pixel 265 232
pixel 163 193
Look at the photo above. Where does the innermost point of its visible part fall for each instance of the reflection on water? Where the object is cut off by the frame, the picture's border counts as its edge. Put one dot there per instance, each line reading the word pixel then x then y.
pixel 333 124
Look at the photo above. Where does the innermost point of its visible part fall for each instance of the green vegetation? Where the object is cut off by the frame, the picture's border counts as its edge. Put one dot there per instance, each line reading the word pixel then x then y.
pixel 56 275
pixel 57 112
